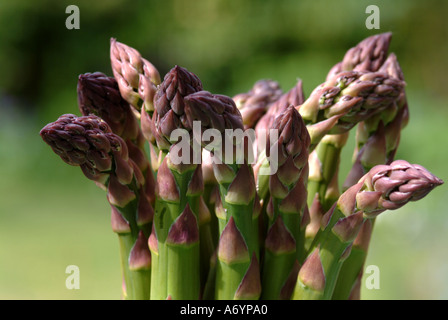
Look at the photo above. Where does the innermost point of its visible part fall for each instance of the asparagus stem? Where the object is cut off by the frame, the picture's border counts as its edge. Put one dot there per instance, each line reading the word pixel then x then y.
pixel 238 247
pixel 176 229
pixel 352 268
pixel 382 188
pixel 288 201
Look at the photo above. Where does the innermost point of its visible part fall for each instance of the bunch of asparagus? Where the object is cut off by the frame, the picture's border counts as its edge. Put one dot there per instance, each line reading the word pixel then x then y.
pixel 214 197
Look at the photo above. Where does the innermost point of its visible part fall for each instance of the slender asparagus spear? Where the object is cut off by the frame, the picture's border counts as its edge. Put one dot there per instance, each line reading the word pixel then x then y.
pixel 295 97
pixel 384 187
pixel 180 186
pixel 287 186
pixel 88 142
pixel 137 80
pixel 237 272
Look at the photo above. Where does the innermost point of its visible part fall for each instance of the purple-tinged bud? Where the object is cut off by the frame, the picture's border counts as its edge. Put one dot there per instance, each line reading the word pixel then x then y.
pixel 127 65
pixel 214 111
pixel 278 239
pixel 118 194
pixel 88 142
pixel 387 187
pixel 99 94
pixel 145 211
pixel 232 248
pixel 184 230
pixel 169 104
pixel 140 256
pixel 369 54
pixel 153 244
pixel 166 184
pixel 242 189
pixel 196 184
pixel 312 274
pixel 118 222
pixel 250 286
pixel 347 228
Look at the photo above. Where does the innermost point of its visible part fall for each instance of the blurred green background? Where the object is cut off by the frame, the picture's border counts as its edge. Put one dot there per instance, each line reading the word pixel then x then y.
pixel 52 217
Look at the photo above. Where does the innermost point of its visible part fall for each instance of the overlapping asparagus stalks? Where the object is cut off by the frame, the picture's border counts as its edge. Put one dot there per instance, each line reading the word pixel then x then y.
pixel 377 140
pixel 323 188
pixel 271 223
pixel 384 187
pixel 88 142
pixel 237 268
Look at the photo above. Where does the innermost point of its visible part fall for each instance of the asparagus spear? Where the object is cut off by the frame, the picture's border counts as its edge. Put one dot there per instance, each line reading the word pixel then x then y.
pixel 295 97
pixel 134 74
pixel 287 186
pixel 322 186
pixel 180 186
pixel 99 94
pixel 88 142
pixel 238 257
pixel 137 80
pixel 384 187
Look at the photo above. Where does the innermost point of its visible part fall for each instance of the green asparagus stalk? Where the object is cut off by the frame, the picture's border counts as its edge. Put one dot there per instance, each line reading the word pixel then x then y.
pixel 322 186
pixel 384 187
pixel 283 247
pixel 180 187
pixel 237 269
pixel 88 142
